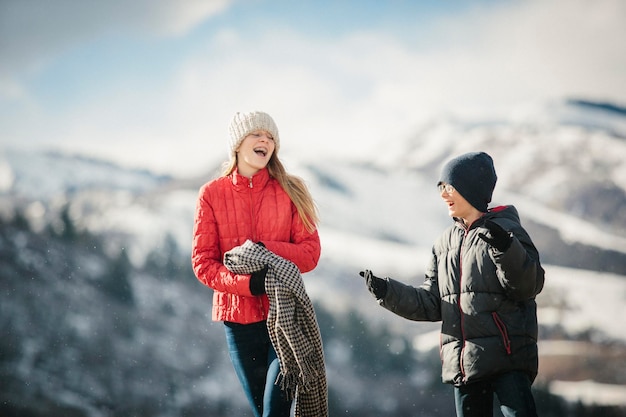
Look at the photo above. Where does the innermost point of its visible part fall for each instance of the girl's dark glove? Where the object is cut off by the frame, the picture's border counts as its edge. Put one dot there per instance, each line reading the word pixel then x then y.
pixel 377 286
pixel 257 281
pixel 500 238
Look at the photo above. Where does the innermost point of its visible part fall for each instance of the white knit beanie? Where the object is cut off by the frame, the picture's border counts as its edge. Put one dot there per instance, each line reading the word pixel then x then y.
pixel 242 124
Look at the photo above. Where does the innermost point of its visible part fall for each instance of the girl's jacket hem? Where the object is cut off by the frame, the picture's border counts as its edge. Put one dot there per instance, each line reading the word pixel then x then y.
pixel 231 210
pixel 484 298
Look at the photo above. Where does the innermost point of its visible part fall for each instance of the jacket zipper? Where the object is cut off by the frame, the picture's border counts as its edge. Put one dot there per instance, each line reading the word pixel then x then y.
pixel 460 307
pixel 503 332
pixel 253 229
pixel 462 366
pixel 250 186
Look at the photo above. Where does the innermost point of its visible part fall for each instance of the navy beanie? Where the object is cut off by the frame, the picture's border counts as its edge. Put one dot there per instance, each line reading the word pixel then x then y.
pixel 473 176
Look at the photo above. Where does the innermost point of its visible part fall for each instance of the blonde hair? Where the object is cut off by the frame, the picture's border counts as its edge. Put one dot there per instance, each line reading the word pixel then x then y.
pixel 294 186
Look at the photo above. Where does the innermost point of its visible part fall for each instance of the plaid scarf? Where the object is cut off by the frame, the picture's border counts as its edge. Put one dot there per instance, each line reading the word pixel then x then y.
pixel 292 327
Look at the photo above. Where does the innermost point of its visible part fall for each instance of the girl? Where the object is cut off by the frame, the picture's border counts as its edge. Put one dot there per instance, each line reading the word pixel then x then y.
pixel 254 199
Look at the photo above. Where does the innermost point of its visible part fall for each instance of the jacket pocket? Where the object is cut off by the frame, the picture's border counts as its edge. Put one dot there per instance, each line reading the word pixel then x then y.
pixel 503 332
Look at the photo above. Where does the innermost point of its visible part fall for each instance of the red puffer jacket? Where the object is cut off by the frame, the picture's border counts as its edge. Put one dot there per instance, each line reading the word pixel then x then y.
pixel 231 210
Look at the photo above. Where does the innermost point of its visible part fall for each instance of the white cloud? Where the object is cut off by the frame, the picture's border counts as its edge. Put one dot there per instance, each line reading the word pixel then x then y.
pixel 34 31
pixel 368 89
pixel 347 95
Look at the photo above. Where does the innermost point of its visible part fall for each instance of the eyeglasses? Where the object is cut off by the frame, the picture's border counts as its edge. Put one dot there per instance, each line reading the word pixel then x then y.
pixel 445 187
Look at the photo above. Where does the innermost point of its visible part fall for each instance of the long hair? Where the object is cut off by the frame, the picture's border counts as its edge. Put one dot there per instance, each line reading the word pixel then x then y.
pixel 294 186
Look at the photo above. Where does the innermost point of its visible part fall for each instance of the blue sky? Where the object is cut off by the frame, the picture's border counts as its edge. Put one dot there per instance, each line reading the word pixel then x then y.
pixel 153 83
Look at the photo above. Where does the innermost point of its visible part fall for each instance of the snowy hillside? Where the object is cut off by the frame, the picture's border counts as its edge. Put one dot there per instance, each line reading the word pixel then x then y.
pixel 48 174
pixel 567 156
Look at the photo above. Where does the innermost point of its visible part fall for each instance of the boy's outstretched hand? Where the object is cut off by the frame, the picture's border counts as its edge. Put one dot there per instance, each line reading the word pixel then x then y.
pixel 377 286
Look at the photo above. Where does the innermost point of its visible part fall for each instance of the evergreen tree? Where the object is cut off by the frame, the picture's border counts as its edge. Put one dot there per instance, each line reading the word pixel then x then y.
pixel 116 281
pixel 68 229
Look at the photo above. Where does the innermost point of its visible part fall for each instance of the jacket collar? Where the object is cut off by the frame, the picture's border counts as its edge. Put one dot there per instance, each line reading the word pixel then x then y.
pixel 498 211
pixel 257 181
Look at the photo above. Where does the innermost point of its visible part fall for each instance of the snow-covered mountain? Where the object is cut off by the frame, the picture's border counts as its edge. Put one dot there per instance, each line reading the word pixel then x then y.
pixel 562 164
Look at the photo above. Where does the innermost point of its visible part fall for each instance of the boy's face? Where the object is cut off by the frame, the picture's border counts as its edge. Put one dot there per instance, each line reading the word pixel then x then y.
pixel 457 204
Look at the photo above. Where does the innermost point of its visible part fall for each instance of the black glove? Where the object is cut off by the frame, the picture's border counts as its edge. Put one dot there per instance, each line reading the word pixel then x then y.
pixel 257 281
pixel 500 238
pixel 377 286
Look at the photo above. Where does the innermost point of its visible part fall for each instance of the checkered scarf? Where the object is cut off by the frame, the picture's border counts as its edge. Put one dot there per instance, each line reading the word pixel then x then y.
pixel 292 327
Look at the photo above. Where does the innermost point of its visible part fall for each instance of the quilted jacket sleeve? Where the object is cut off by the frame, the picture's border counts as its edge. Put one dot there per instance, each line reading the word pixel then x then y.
pixel 518 268
pixel 304 248
pixel 421 303
pixel 206 255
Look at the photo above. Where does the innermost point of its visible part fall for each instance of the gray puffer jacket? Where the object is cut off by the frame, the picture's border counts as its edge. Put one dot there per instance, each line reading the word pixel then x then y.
pixel 484 298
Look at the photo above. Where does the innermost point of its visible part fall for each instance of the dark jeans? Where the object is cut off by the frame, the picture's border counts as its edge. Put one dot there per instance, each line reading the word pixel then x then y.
pixel 513 392
pixel 257 368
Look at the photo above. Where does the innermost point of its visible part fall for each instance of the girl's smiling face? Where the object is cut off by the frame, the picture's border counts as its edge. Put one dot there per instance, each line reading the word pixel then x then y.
pixel 255 152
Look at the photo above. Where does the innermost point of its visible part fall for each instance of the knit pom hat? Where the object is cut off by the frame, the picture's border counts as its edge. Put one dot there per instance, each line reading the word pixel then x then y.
pixel 242 124
pixel 473 176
